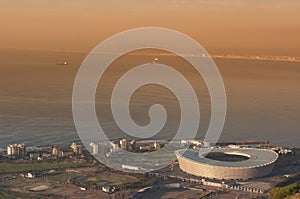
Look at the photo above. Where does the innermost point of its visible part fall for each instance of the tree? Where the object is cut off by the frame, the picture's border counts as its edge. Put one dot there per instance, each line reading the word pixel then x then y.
pixel 283 192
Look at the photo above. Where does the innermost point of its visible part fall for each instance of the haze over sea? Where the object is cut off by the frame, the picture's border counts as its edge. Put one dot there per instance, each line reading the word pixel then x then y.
pixel 36 98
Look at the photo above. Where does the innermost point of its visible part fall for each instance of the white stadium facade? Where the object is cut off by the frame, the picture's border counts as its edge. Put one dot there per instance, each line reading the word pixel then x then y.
pixel 228 164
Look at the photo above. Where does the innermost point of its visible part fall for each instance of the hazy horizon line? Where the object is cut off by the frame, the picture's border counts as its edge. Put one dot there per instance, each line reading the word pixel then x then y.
pixel 280 58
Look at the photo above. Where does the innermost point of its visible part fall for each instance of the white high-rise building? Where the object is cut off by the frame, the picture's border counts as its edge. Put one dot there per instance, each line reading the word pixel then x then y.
pixel 77 149
pixel 95 148
pixel 55 150
pixel 17 150
pixel 123 144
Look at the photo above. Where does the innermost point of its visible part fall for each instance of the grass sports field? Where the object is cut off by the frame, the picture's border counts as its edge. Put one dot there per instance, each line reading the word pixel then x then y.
pixel 36 166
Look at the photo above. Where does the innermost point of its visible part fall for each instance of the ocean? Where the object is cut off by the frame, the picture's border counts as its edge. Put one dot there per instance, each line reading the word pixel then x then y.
pixel 36 98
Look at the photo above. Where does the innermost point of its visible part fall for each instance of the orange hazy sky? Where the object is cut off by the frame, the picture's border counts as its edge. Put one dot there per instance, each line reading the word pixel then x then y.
pixel 268 26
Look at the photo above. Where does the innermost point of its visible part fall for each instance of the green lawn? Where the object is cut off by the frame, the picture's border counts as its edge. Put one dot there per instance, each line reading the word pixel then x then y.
pixel 61 176
pixel 111 180
pixel 6 196
pixel 105 180
pixel 36 166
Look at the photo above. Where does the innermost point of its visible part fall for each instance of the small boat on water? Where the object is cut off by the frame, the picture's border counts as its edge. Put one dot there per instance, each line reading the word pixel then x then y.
pixel 65 63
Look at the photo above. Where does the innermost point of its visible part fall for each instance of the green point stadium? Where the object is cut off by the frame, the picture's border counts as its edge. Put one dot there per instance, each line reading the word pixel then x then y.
pixel 227 163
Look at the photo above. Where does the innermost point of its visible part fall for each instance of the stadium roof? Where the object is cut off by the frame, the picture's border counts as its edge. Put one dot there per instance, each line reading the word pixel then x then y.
pixel 257 157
